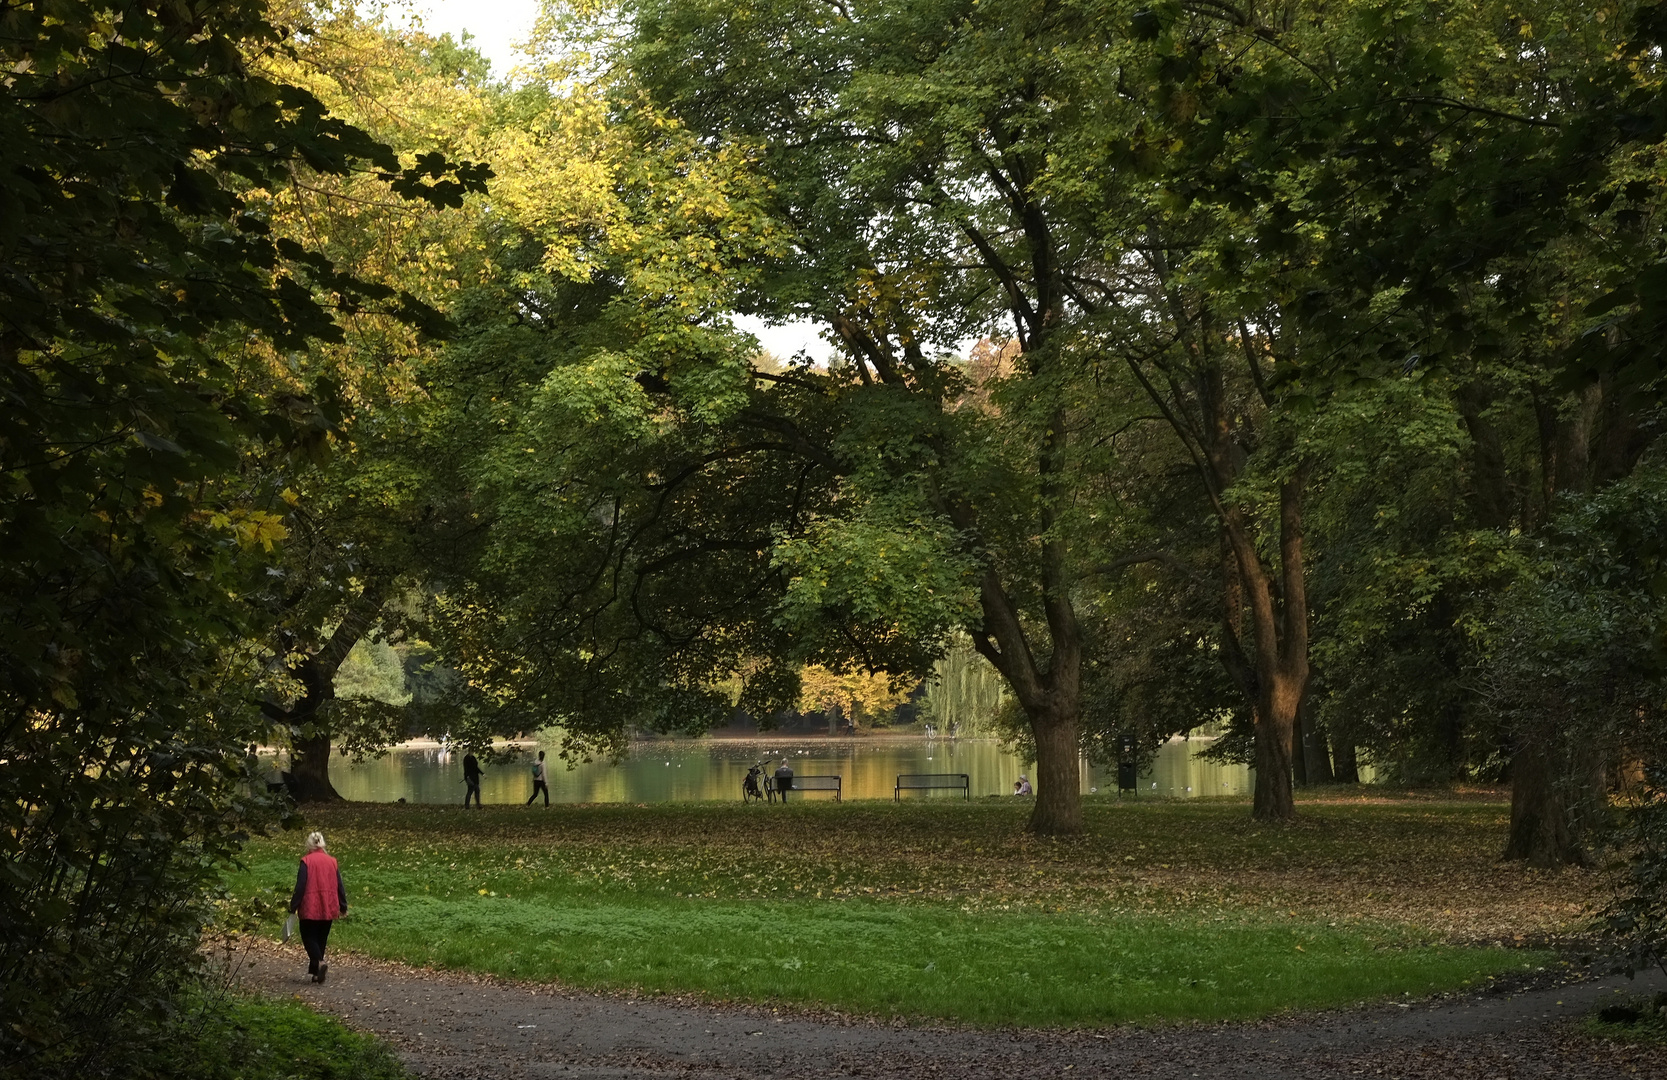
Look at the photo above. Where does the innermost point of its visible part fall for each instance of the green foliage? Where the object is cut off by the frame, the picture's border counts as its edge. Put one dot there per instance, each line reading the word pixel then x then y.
pixel 370 512
pixel 141 272
pixel 229 446
pixel 1573 659
pixel 374 669
pixel 964 690
pixel 1407 571
pixel 620 480
pixel 887 585
pixel 1264 216
pixel 1636 921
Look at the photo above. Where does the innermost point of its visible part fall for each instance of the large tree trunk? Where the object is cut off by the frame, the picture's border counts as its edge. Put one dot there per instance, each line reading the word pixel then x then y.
pixel 310 770
pixel 1559 794
pixel 1540 833
pixel 1544 780
pixel 1276 716
pixel 1058 809
pixel 308 717
pixel 1050 691
pixel 1494 494
pixel 1051 697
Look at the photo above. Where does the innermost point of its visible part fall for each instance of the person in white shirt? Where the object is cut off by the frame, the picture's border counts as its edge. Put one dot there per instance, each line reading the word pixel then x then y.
pixel 540 781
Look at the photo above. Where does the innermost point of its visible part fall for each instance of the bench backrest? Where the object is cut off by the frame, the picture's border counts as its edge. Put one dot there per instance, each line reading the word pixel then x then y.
pixel 818 782
pixel 933 780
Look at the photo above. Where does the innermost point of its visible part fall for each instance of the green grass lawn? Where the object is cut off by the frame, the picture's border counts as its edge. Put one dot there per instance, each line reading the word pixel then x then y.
pixel 1182 910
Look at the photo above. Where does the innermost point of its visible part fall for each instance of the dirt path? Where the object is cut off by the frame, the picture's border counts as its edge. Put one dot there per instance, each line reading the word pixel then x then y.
pixel 456 1026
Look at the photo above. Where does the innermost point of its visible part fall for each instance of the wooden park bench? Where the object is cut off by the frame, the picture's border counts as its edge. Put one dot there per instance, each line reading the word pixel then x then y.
pixel 932 782
pixel 834 784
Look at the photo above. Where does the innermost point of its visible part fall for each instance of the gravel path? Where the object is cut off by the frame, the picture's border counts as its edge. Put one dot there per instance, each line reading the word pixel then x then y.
pixel 449 1025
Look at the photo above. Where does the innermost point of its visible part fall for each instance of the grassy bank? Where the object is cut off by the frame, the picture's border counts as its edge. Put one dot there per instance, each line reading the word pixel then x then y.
pixel 253 1039
pixel 210 1034
pixel 1166 910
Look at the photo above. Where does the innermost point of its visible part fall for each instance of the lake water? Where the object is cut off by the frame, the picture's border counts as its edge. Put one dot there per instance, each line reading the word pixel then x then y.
pixel 713 769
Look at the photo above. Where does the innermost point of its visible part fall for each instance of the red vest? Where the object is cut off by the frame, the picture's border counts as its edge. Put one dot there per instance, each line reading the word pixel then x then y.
pixel 321 900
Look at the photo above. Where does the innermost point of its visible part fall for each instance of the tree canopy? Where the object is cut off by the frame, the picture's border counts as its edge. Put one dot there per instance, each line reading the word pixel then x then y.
pixel 1314 403
pixel 139 261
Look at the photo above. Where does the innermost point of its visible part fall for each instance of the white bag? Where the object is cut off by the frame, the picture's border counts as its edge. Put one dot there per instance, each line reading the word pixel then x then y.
pixel 289 925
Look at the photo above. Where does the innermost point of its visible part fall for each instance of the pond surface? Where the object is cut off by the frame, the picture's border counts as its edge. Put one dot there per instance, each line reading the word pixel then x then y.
pixel 707 769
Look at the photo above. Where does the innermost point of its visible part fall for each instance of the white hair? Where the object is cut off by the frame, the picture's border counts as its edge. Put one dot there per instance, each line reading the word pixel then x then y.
pixel 315 841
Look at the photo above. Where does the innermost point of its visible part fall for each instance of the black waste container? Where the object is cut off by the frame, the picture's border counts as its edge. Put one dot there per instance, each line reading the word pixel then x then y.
pixel 1126 762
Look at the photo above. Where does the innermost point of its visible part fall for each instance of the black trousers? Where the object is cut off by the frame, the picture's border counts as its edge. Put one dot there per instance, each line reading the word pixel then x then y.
pixel 538 786
pixel 473 789
pixel 314 934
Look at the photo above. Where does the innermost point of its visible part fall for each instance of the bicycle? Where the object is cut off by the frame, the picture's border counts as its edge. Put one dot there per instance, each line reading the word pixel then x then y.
pixel 750 787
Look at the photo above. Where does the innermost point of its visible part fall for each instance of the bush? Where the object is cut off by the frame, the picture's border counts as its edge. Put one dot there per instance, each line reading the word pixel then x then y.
pixel 1636 922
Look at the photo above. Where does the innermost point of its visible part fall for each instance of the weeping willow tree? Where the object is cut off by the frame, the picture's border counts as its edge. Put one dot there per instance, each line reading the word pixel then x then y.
pixel 965 690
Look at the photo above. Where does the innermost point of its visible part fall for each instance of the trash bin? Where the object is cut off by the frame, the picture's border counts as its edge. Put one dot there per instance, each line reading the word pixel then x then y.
pixel 1126 762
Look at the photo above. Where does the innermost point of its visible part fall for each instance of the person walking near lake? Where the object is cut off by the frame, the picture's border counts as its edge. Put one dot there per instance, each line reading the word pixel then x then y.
pixel 471 778
pixel 320 898
pixel 540 781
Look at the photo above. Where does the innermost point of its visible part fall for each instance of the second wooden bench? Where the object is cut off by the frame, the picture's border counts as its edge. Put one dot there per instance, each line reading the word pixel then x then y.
pixel 932 782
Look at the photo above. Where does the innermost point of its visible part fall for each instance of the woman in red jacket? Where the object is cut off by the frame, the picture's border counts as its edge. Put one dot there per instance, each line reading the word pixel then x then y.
pixel 320 899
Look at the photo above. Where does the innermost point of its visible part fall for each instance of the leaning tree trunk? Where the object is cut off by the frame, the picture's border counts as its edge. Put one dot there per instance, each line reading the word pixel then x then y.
pixel 1279 625
pixel 308 717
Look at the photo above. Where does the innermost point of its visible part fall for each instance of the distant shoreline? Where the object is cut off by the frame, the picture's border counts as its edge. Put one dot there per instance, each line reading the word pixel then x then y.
pixel 740 739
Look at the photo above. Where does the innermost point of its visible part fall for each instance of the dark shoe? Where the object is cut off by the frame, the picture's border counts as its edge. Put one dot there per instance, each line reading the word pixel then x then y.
pixel 323 970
